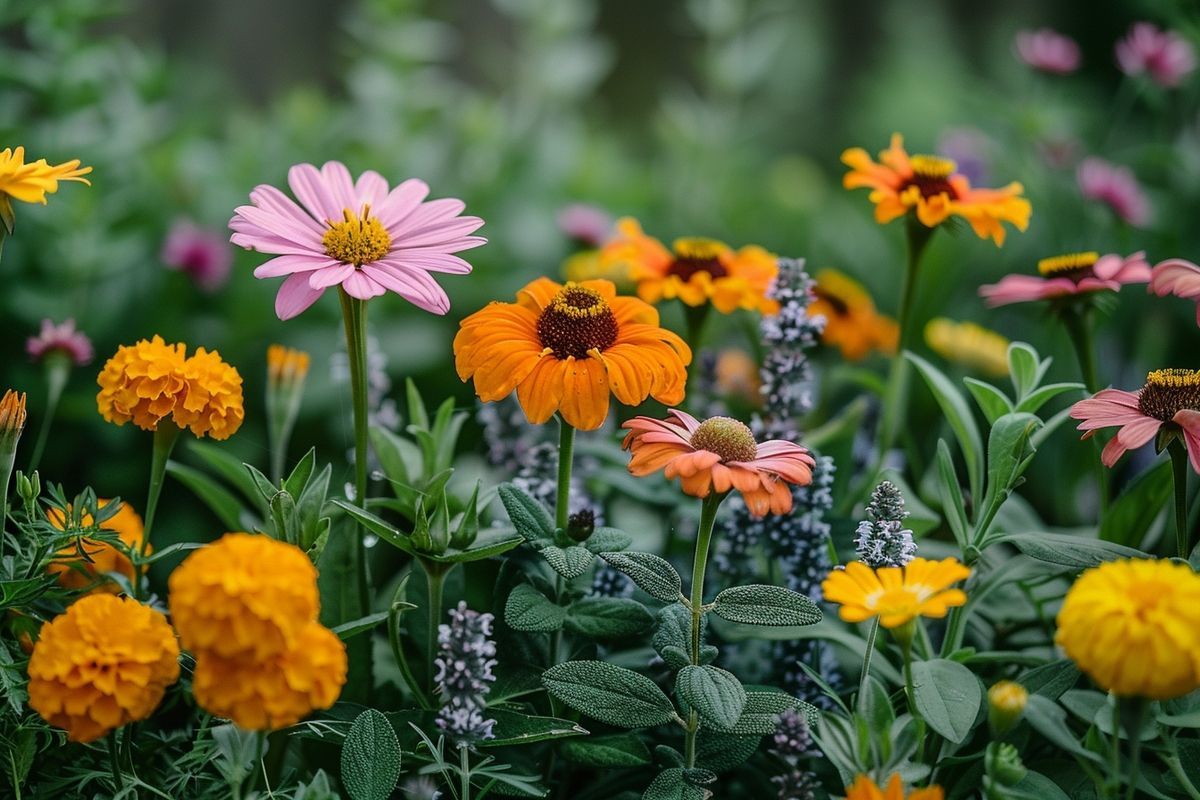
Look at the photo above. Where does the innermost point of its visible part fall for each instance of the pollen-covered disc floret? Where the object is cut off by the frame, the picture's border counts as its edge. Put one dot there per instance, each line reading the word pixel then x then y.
pixel 244 595
pixel 1169 391
pixel 727 437
pixel 1074 265
pixel 695 254
pixel 105 662
pixel 931 174
pixel 577 321
pixel 357 239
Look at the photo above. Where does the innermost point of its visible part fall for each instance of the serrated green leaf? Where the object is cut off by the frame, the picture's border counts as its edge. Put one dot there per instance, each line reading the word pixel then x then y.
pixel 529 517
pixel 570 562
pixel 670 785
pixel 607 539
pixel 948 696
pixel 370 757
pixel 606 752
pixel 716 694
pixel 609 693
pixel 653 575
pixel 608 617
pixel 760 604
pixel 528 609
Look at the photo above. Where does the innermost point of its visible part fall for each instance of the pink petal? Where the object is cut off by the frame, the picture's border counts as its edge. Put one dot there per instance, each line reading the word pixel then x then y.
pixel 360 286
pixel 440 232
pixel 1112 452
pixel 341 186
pixel 1176 276
pixel 1024 289
pixel 271 199
pixel 1131 269
pixel 331 276
pixel 1135 434
pixel 434 262
pixel 446 208
pixel 272 245
pixel 286 265
pixel 295 295
pixel 690 423
pixel 370 189
pixel 280 225
pixel 1189 420
pixel 401 202
pixel 310 189
pixel 414 285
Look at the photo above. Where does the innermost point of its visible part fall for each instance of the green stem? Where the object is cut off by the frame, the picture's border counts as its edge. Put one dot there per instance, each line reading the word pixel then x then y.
pixel 435 581
pixel 695 317
pixel 165 437
pixel 708 517
pixel 566 454
pixel 402 661
pixel 354 317
pixel 1173 763
pixel 866 667
pixel 114 762
pixel 1078 323
pixel 464 771
pixel 1114 763
pixel 1132 712
pixel 918 236
pixel 1179 472
pixel 58 370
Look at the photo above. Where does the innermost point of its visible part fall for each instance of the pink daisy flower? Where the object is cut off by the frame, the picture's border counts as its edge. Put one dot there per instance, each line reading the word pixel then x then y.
pixel 1115 186
pixel 1169 401
pixel 1071 274
pixel 1178 277
pixel 62 339
pixel 1165 55
pixel 200 253
pixel 586 224
pixel 354 234
pixel 1048 51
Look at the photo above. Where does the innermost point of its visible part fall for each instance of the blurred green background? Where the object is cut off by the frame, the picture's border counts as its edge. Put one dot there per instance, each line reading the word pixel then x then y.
pixel 723 118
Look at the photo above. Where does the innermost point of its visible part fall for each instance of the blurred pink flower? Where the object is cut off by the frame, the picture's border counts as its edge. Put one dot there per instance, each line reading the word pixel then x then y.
pixel 200 253
pixel 586 224
pixel 1178 277
pixel 355 234
pixel 1166 55
pixel 1162 402
pixel 1115 186
pixel 63 338
pixel 1078 273
pixel 1048 51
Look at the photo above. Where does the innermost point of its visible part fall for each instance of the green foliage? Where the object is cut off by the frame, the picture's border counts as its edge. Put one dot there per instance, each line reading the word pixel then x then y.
pixel 608 618
pixel 948 697
pixel 609 693
pixel 717 695
pixel 370 758
pixel 607 752
pixel 766 605
pixel 652 574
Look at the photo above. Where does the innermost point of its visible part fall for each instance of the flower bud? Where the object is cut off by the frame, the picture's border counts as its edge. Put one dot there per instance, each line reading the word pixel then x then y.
pixel 1003 764
pixel 581 525
pixel 1006 706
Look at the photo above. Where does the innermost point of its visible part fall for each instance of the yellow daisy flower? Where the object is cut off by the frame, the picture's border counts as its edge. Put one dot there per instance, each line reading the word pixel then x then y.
pixel 971 345
pixel 897 595
pixel 30 183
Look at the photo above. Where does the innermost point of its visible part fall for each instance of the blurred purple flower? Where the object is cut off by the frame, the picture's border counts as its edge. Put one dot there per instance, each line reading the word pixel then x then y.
pixel 1166 55
pixel 1115 186
pixel 588 225
pixel 966 147
pixel 1048 51
pixel 62 338
pixel 200 253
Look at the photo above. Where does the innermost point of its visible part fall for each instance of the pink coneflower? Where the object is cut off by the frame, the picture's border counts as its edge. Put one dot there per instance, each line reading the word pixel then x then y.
pixel 60 338
pixel 586 224
pixel 1070 274
pixel 1170 399
pixel 1178 277
pixel 1165 55
pixel 1115 186
pixel 200 253
pixel 355 234
pixel 1048 51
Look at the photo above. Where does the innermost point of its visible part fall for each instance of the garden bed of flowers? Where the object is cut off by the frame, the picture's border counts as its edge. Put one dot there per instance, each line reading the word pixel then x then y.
pixel 662 518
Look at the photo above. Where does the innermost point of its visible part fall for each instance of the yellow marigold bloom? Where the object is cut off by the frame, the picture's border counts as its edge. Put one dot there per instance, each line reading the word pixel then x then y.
pixel 278 691
pixel 76 572
pixel 589 265
pixel 929 187
pixel 896 595
pixel 968 344
pixel 30 183
pixel 152 380
pixel 696 270
pixel 851 322
pixel 866 789
pixel 286 365
pixel 12 413
pixel 105 662
pixel 1134 627
pixel 244 595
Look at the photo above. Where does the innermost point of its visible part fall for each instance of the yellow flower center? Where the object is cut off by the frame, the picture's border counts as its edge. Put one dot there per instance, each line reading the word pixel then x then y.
pixel 1169 391
pixel 357 240
pixel 931 175
pixel 577 320
pixel 695 254
pixel 727 437
pixel 1076 265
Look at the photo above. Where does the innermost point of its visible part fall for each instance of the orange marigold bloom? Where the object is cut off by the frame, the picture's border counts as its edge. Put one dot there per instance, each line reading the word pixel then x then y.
pixel 866 789
pixel 851 322
pixel 896 595
pixel 151 380
pixel 278 691
pixel 565 348
pixel 245 595
pixel 695 270
pixel 105 662
pixel 12 414
pixel 718 454
pixel 930 187
pixel 30 182
pixel 286 365
pixel 77 572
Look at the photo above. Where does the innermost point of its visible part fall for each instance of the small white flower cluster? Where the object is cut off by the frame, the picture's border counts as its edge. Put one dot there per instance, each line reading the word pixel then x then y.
pixel 882 539
pixel 464 674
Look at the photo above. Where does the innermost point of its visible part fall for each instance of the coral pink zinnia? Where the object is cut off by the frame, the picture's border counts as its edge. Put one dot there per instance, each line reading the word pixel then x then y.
pixel 1070 274
pixel 62 338
pixel 1048 50
pixel 1117 187
pixel 1165 55
pixel 1178 277
pixel 718 454
pixel 355 234
pixel 1170 400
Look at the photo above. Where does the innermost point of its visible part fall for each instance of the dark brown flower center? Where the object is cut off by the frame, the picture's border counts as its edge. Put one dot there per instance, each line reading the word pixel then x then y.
pixel 840 307
pixel 931 174
pixel 693 255
pixel 1075 266
pixel 1169 391
pixel 726 437
pixel 576 321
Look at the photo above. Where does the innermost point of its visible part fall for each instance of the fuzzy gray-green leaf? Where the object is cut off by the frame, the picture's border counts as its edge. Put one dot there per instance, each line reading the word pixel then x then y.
pixel 370 757
pixel 570 562
pixel 606 539
pixel 717 695
pixel 652 574
pixel 766 605
pixel 609 693
pixel 608 617
pixel 529 517
pixel 670 785
pixel 528 609
pixel 606 752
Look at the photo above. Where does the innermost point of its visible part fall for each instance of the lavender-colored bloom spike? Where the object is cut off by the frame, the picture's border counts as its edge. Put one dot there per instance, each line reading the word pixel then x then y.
pixel 464 674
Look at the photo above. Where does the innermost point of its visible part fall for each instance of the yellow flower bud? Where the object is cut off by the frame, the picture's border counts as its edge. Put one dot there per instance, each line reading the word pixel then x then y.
pixel 1006 705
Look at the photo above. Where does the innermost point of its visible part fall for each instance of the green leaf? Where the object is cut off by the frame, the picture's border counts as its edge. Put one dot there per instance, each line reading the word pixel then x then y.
pixel 608 617
pixel 763 707
pixel 488 542
pixel 958 414
pixel 377 526
pixel 528 609
pixel 1130 516
pixel 417 415
pixel 948 696
pixel 606 752
pixel 670 785
pixel 954 508
pixel 219 500
pixel 513 727
pixel 300 474
pixel 1050 720
pixel 673 635
pixel 529 517
pixel 1025 368
pixel 721 752
pixel 991 401
pixel 609 693
pixel 766 605
pixel 1051 680
pixel 12 681
pixel 1075 552
pixel 607 539
pixel 1008 455
pixel 1035 786
pixel 570 562
pixel 1033 403
pixel 362 625
pixel 716 694
pixel 653 575
pixel 231 469
pixel 370 757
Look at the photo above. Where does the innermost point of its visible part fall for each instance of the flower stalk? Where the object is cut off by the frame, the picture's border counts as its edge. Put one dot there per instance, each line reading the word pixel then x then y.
pixel 58 370
pixel 354 317
pixel 1179 474
pixel 708 517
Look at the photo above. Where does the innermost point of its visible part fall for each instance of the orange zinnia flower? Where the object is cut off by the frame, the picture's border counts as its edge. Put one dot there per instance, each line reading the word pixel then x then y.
pixel 928 185
pixel 851 322
pixel 565 347
pixel 718 454
pixel 864 788
pixel 695 270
